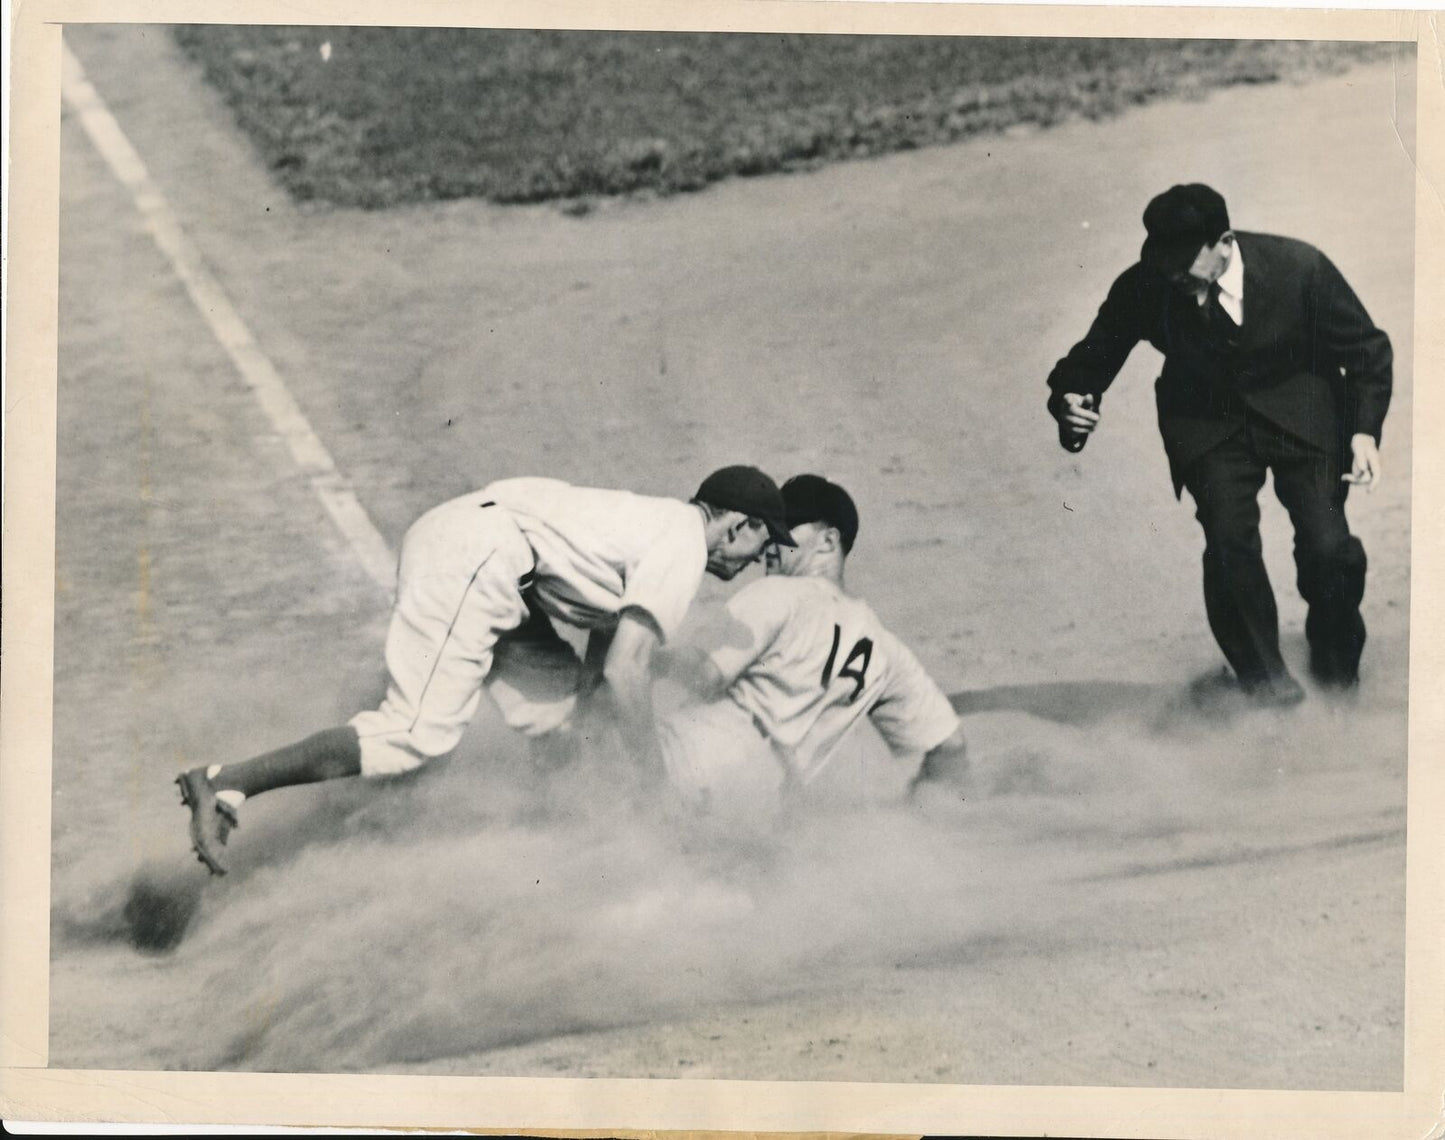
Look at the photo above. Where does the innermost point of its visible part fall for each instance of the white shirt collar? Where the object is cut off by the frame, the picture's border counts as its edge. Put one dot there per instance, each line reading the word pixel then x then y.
pixel 1231 285
pixel 1231 281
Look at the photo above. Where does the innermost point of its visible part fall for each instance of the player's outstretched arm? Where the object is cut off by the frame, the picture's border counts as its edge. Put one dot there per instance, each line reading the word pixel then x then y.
pixel 727 645
pixel 628 673
pixel 944 764
pixel 693 668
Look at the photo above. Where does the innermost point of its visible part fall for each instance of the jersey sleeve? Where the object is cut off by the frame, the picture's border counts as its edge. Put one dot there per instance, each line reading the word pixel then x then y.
pixel 913 715
pixel 753 618
pixel 665 580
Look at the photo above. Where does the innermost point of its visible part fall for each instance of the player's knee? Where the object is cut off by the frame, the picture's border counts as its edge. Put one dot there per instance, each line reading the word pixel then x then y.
pixel 394 751
pixel 382 757
pixel 530 716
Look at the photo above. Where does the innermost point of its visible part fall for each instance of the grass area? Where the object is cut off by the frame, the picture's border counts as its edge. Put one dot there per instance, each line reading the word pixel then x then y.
pixel 372 117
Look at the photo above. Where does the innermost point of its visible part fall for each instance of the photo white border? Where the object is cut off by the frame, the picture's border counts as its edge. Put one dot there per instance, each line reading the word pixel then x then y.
pixel 29 1090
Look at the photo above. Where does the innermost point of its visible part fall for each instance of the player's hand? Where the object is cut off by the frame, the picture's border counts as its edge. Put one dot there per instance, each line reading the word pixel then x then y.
pixel 941 801
pixel 1078 416
pixel 942 783
pixel 1365 470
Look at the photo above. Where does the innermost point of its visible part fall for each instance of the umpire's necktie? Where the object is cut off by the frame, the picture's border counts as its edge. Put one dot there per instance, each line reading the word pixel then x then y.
pixel 1220 323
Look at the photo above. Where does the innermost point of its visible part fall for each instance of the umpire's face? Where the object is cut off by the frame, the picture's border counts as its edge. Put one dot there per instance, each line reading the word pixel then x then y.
pixel 1207 267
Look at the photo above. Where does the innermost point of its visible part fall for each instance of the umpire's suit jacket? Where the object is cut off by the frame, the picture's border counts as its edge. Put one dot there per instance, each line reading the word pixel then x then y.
pixel 1307 357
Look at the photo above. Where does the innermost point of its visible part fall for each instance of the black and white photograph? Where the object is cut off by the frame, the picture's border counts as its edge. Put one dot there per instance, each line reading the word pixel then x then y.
pixel 606 555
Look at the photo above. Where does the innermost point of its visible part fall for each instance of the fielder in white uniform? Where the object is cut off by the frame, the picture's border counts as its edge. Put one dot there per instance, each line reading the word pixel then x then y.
pixel 479 578
pixel 798 664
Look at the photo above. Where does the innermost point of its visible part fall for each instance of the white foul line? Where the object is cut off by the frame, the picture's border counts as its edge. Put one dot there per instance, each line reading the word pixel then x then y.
pixel 230 330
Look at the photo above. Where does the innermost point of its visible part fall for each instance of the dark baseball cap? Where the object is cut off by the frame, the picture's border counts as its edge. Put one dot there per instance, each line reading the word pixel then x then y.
pixel 1180 222
pixel 811 498
pixel 746 489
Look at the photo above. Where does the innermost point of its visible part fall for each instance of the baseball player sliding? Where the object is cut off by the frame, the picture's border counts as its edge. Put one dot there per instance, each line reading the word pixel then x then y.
pixel 479 577
pixel 798 664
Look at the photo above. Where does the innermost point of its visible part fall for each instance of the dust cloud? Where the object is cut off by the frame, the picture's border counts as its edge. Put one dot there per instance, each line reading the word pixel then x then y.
pixel 487 901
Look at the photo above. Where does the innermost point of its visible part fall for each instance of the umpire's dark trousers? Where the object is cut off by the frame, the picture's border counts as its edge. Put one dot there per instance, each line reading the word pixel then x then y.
pixel 1330 561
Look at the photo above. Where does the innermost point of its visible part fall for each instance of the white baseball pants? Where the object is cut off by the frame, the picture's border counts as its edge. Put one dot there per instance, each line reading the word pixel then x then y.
pixel 459 623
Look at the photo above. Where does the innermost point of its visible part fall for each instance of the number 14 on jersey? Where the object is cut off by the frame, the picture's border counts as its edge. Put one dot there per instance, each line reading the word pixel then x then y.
pixel 861 653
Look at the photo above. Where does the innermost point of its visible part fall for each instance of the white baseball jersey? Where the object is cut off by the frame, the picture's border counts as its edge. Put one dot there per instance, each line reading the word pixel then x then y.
pixel 814 661
pixel 599 552
pixel 463 617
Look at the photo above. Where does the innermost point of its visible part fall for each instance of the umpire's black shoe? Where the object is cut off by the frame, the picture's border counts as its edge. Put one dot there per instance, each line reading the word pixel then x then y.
pixel 1280 691
pixel 1223 694
pixel 1339 692
pixel 212 820
pixel 1333 675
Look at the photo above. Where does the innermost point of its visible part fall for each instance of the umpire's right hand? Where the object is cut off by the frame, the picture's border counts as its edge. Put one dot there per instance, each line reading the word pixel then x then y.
pixel 1077 418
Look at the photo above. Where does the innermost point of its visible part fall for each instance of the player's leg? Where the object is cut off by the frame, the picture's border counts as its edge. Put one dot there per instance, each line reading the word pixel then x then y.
pixel 1238 599
pixel 534 682
pixel 456 588
pixel 451 609
pixel 1329 560
pixel 214 794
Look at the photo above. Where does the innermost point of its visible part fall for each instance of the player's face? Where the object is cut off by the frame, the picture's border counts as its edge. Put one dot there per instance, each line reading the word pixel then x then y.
pixel 740 549
pixel 788 559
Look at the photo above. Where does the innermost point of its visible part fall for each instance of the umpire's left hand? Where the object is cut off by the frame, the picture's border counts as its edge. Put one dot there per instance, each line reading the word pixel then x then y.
pixel 1365 470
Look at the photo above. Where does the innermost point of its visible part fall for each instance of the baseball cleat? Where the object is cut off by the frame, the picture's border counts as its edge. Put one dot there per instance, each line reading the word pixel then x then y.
pixel 212 821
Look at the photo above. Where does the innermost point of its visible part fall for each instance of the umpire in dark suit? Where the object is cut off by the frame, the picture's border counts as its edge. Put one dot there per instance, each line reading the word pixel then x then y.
pixel 1270 364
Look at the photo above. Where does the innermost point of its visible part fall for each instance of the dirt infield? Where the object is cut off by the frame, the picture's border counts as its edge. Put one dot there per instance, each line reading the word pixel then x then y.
pixel 1138 899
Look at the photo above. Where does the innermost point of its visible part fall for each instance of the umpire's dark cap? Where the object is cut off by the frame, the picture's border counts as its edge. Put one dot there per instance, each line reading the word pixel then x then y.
pixel 1180 222
pixel 746 489
pixel 811 498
